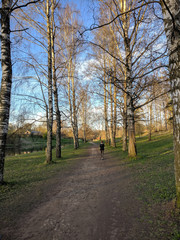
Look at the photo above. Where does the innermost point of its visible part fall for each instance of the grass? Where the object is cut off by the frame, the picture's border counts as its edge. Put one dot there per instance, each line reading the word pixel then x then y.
pixel 26 174
pixel 153 174
pixel 154 166
pixel 28 169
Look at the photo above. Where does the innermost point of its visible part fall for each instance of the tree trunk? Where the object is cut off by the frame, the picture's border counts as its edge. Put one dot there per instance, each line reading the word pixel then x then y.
pixel 115 105
pixel 124 131
pixel 165 117
pixel 84 115
pixel 105 109
pixel 76 142
pixel 112 115
pixel 132 152
pixel 6 82
pixel 172 30
pixel 50 113
pixel 84 133
pixel 150 122
pixel 72 104
pixel 56 104
pixel 125 116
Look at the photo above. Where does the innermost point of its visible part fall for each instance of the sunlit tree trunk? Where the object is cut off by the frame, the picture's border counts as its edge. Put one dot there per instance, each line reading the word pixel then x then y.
pixel 150 121
pixel 50 103
pixel 56 104
pixel 165 116
pixel 124 147
pixel 172 29
pixel 84 126
pixel 131 125
pixel 6 81
pixel 72 103
pixel 115 105
pixel 130 108
pixel 106 107
pixel 76 141
pixel 112 114
pixel 84 114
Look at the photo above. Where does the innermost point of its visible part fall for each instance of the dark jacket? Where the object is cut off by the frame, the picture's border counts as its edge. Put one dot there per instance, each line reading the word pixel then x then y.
pixel 101 146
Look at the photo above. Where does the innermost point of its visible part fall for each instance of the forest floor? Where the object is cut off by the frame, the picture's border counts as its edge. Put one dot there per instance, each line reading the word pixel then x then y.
pixel 93 199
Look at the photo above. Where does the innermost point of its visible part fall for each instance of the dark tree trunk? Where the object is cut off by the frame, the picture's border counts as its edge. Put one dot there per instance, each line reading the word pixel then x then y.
pixel 6 82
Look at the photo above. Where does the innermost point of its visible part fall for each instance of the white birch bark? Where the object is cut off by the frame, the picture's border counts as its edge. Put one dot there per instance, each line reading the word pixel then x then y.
pixel 130 108
pixel 50 102
pixel 56 104
pixel 6 81
pixel 171 15
pixel 105 109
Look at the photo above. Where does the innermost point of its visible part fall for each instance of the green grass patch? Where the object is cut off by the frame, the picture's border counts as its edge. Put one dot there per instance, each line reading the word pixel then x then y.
pixel 153 167
pixel 26 178
pixel 24 170
pixel 153 174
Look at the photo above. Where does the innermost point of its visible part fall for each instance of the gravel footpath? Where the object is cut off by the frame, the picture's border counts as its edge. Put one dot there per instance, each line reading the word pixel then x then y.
pixel 96 201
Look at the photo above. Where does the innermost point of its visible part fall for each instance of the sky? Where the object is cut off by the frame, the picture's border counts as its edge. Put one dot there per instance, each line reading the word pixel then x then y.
pixel 86 7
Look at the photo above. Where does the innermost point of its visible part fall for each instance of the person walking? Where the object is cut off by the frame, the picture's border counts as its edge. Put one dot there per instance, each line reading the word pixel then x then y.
pixel 102 149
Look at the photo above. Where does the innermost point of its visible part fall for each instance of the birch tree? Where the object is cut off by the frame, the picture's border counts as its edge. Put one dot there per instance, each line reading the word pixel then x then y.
pixel 84 113
pixel 6 82
pixel 71 47
pixel 55 89
pixel 171 15
pixel 133 48
pixel 50 99
pixel 44 37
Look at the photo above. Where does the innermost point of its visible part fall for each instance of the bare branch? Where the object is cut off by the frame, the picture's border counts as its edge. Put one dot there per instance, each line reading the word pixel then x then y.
pixel 20 30
pixel 162 94
pixel 121 14
pixel 25 5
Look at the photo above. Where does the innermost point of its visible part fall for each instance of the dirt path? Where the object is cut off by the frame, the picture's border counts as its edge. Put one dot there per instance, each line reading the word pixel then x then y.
pixel 95 202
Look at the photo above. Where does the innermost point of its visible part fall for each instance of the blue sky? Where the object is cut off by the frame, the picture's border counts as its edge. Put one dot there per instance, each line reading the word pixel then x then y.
pixel 86 8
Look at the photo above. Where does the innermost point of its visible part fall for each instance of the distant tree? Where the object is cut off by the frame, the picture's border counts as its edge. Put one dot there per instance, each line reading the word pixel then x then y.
pixel 71 48
pixel 133 53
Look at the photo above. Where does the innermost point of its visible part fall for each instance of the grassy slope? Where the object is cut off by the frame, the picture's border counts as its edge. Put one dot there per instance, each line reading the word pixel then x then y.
pixel 153 172
pixel 25 176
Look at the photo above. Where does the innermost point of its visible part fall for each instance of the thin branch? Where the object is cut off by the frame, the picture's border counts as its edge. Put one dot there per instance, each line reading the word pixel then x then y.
pixel 25 5
pixel 20 30
pixel 108 23
pixel 173 20
pixel 162 94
